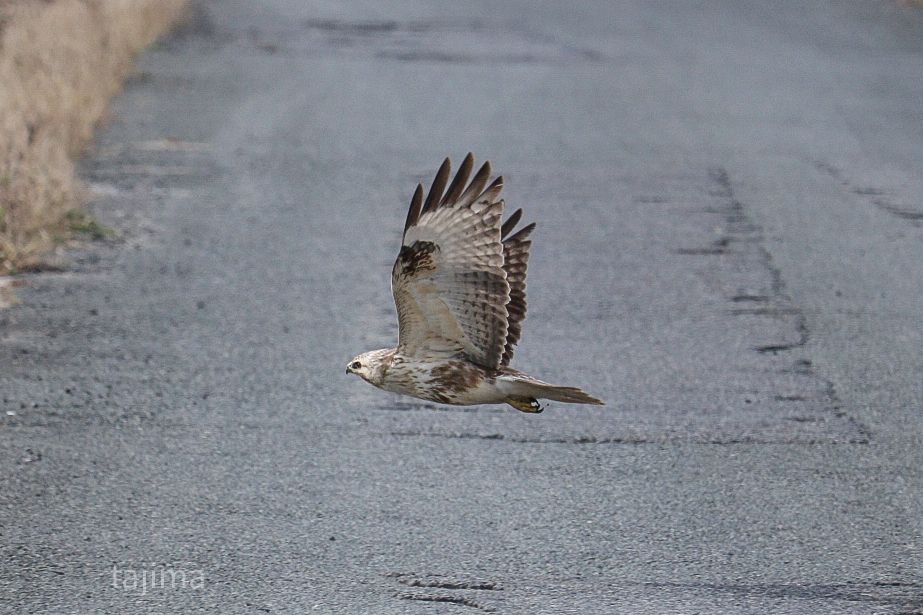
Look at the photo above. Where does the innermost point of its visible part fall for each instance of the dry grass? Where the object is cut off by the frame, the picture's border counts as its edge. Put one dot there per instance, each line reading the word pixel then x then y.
pixel 61 61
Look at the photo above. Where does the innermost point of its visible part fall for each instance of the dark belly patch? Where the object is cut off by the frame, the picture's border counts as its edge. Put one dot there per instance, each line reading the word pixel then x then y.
pixel 455 377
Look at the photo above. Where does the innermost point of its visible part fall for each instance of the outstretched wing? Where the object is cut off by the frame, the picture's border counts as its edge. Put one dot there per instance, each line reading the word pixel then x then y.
pixel 449 281
pixel 515 260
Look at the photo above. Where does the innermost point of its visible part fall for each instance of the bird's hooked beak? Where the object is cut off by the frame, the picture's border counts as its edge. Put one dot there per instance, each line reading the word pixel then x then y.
pixel 348 370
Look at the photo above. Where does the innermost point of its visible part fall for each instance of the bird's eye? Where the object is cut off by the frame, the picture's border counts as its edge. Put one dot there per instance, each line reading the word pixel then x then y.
pixel 355 365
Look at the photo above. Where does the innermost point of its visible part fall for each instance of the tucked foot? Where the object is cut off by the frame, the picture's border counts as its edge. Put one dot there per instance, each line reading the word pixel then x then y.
pixel 526 404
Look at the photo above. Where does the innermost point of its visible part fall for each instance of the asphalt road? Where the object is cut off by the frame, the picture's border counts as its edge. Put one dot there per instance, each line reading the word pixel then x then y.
pixel 729 252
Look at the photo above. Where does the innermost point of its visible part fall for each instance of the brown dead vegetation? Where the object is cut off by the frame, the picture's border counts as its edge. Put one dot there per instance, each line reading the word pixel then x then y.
pixel 61 61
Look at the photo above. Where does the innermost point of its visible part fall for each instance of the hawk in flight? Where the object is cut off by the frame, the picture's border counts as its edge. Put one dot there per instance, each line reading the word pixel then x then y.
pixel 459 283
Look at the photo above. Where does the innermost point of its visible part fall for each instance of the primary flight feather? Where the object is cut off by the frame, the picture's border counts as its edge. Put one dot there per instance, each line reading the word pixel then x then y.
pixel 459 283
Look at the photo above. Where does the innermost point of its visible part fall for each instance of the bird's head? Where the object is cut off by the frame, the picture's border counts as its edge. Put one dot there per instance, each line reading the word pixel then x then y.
pixel 370 366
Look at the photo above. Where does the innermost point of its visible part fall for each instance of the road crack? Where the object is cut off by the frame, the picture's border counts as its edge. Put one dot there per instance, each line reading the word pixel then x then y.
pixel 426 589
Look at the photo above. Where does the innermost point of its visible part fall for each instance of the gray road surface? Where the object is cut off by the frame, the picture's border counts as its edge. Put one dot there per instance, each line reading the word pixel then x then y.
pixel 729 198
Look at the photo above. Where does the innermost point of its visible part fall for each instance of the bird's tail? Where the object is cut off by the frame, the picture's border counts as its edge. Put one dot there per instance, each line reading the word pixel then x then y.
pixel 570 395
pixel 529 391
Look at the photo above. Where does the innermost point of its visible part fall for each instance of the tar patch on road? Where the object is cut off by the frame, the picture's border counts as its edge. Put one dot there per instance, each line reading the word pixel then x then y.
pixel 671 310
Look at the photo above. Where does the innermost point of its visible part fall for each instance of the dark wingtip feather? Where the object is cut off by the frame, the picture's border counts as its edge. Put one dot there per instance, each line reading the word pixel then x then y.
pixel 476 187
pixel 510 223
pixel 521 234
pixel 416 204
pixel 438 187
pixel 492 193
pixel 458 184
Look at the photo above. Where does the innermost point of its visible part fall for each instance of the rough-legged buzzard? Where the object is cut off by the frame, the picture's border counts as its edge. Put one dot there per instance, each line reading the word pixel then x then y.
pixel 459 283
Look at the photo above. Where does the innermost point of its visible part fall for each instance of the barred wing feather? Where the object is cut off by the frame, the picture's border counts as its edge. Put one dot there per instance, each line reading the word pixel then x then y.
pixel 449 281
pixel 515 260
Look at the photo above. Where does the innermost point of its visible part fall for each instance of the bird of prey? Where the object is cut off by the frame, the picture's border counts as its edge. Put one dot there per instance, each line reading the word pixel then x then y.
pixel 459 283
